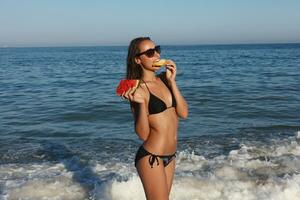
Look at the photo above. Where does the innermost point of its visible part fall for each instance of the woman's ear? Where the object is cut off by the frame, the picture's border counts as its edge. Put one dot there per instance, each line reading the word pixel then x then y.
pixel 137 60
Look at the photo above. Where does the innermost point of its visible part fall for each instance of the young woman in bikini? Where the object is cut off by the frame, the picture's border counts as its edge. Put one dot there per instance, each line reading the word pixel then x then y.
pixel 156 106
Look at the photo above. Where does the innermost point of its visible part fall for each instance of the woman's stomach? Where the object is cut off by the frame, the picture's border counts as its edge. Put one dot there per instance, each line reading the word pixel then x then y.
pixel 162 139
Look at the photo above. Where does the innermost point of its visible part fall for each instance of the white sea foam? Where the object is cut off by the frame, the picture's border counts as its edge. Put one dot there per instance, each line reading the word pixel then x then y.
pixel 248 173
pixel 36 182
pixel 251 172
pixel 131 189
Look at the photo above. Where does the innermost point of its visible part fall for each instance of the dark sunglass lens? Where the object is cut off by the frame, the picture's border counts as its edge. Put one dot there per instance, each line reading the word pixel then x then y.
pixel 150 53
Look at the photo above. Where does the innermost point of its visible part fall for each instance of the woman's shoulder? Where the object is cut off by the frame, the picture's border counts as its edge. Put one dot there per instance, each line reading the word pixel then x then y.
pixel 142 89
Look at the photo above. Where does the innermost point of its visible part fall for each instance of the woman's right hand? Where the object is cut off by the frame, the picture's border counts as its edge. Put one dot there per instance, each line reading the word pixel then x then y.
pixel 136 95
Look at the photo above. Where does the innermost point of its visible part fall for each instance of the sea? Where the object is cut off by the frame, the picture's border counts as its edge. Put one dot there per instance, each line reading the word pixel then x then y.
pixel 66 135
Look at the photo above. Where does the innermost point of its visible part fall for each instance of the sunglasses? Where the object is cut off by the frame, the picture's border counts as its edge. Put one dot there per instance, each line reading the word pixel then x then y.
pixel 150 52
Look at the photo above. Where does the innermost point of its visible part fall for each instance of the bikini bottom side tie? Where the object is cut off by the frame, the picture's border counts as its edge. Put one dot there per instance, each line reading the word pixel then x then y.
pixel 142 152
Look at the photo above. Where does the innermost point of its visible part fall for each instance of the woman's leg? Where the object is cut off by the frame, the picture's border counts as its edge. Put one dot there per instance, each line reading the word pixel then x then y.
pixel 169 171
pixel 153 179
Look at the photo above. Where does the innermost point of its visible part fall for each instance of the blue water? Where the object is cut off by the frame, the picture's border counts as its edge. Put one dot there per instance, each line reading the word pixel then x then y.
pixel 58 106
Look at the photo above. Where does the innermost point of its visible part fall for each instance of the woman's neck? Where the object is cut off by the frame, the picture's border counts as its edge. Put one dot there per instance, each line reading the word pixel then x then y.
pixel 149 77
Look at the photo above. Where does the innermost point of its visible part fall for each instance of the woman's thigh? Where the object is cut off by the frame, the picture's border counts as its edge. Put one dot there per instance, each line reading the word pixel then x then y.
pixel 153 179
pixel 169 171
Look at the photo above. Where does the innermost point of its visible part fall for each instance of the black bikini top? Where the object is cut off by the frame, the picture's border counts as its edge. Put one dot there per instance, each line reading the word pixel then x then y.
pixel 156 105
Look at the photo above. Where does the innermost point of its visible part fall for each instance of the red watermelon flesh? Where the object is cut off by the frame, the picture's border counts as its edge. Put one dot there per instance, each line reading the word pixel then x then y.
pixel 126 84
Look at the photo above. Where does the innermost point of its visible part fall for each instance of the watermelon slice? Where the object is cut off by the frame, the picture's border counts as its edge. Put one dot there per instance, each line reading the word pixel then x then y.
pixel 126 84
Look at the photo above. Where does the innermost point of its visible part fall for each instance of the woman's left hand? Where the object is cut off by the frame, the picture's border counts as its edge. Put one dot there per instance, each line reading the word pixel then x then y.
pixel 171 71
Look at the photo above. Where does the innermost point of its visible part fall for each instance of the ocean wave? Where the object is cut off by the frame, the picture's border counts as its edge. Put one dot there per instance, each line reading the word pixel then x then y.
pixel 250 171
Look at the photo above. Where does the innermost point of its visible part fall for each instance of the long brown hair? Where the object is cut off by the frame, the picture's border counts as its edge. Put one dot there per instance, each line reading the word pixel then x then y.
pixel 134 70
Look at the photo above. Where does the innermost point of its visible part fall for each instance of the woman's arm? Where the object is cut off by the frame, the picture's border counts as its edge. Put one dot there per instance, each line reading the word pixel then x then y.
pixel 181 104
pixel 137 99
pixel 141 122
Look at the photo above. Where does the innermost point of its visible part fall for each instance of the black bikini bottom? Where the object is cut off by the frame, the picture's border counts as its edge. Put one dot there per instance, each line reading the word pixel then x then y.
pixel 142 152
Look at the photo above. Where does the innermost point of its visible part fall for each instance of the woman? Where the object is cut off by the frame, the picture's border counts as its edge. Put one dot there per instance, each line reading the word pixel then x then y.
pixel 156 105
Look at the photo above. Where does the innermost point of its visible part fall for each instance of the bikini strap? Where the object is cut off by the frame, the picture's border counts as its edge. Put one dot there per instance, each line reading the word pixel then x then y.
pixel 146 85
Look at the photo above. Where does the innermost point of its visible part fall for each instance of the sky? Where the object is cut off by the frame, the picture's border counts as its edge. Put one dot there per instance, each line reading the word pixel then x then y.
pixel 167 22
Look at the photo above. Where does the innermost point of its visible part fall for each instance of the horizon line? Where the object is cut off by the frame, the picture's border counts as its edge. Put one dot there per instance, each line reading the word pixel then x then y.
pixel 112 45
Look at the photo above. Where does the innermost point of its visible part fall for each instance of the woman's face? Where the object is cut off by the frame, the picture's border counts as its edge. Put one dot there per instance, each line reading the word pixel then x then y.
pixel 145 60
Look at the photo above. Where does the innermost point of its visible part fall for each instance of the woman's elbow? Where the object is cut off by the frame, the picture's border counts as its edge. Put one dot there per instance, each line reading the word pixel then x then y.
pixel 184 115
pixel 143 135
